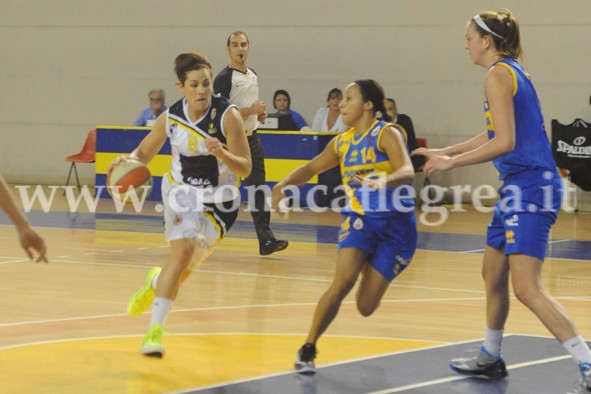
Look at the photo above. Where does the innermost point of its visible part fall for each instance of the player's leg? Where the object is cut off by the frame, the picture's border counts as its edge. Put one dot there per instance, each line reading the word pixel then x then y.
pixel 488 361
pixel 396 241
pixel 526 276
pixel 495 272
pixel 371 290
pixel 349 262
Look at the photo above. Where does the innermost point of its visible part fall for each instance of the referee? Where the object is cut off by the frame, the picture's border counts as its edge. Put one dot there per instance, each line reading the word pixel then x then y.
pixel 239 84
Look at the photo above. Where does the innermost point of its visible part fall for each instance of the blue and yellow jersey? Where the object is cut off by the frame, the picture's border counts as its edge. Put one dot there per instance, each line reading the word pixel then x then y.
pixel 361 154
pixel 532 148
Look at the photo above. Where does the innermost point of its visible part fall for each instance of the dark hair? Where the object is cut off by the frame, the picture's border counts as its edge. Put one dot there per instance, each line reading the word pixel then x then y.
pixel 372 91
pixel 283 92
pixel 189 61
pixel 334 91
pixel 505 29
pixel 237 33
pixel 390 99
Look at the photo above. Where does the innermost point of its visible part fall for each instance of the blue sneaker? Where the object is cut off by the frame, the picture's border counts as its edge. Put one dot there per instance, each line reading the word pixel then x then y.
pixel 585 375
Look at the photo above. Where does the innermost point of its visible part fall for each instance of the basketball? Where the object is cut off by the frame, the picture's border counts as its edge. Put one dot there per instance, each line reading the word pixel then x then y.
pixel 129 177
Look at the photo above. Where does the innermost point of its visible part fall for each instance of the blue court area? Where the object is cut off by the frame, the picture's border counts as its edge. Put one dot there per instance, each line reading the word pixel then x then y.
pixel 437 241
pixel 536 365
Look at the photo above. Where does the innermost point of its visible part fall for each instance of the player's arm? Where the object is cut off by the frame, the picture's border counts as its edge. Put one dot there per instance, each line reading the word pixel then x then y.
pixel 28 237
pixel 391 142
pixel 153 142
pixel 499 92
pixel 237 154
pixel 326 160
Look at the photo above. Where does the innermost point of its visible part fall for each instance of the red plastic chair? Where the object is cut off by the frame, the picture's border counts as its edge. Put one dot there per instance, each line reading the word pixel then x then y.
pixel 86 155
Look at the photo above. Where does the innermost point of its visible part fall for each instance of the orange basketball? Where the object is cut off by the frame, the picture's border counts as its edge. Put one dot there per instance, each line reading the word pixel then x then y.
pixel 129 177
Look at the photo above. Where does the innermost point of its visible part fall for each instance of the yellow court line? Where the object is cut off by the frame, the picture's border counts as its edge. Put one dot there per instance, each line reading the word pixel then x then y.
pixel 79 365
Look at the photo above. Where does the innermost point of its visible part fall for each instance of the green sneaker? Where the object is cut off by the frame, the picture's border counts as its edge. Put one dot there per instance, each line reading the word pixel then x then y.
pixel 142 299
pixel 152 345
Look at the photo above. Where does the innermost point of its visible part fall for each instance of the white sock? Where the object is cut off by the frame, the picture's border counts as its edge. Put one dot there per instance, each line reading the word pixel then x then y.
pixel 154 282
pixel 577 348
pixel 160 308
pixel 492 341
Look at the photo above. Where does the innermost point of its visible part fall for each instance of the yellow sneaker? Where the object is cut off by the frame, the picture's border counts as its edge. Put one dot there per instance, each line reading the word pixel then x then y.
pixel 142 299
pixel 152 345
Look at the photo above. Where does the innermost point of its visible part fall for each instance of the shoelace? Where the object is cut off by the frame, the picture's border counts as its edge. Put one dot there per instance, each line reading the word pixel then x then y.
pixel 155 334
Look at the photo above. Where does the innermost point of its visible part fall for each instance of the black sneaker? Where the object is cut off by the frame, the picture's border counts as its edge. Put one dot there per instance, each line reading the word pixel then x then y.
pixel 304 362
pixel 268 247
pixel 484 364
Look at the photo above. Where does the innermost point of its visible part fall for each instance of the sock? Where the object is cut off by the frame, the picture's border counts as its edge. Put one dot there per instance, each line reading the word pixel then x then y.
pixel 492 341
pixel 160 308
pixel 154 282
pixel 577 348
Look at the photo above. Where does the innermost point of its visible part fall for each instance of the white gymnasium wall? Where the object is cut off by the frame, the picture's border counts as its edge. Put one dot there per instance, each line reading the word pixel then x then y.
pixel 69 65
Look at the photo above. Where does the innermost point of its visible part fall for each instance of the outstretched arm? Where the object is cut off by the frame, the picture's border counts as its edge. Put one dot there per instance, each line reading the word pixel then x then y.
pixel 28 237
pixel 393 144
pixel 326 160
pixel 480 149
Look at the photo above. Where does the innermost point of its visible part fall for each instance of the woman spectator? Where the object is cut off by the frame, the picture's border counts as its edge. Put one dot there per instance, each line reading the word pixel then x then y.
pixel 329 118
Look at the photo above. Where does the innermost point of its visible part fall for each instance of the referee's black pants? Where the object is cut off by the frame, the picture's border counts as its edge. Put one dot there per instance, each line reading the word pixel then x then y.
pixel 261 215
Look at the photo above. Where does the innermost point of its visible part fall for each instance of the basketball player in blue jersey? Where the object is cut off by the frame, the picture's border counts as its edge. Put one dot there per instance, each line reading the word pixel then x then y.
pixel 200 193
pixel 378 234
pixel 517 236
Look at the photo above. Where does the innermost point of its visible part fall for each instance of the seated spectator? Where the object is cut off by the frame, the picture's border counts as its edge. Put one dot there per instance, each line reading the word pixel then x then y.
pixel 149 115
pixel 282 103
pixel 406 122
pixel 329 118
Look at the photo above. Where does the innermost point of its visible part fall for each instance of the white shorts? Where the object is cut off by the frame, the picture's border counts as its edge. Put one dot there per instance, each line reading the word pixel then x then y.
pixel 186 216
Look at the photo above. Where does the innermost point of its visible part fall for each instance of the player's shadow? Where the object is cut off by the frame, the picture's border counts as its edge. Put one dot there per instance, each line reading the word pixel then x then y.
pixel 307 383
pixel 480 386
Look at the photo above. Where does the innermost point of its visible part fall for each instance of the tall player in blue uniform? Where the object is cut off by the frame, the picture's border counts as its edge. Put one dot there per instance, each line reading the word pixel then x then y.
pixel 516 142
pixel 378 234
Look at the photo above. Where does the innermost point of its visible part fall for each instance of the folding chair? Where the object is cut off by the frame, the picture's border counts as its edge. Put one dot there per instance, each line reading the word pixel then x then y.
pixel 86 155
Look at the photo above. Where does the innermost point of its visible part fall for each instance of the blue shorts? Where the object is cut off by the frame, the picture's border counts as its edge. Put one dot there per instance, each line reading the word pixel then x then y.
pixel 390 242
pixel 520 232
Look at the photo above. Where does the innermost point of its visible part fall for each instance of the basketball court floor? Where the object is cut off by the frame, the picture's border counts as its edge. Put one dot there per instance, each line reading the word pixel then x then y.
pixel 240 319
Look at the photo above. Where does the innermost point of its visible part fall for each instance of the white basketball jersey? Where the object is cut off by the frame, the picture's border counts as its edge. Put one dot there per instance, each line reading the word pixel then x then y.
pixel 192 164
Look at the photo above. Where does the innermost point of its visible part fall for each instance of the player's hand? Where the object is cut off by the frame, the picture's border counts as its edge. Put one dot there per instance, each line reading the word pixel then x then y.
pixel 438 163
pixel 117 161
pixel 30 239
pixel 258 107
pixel 428 153
pixel 370 182
pixel 278 200
pixel 261 118
pixel 215 147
